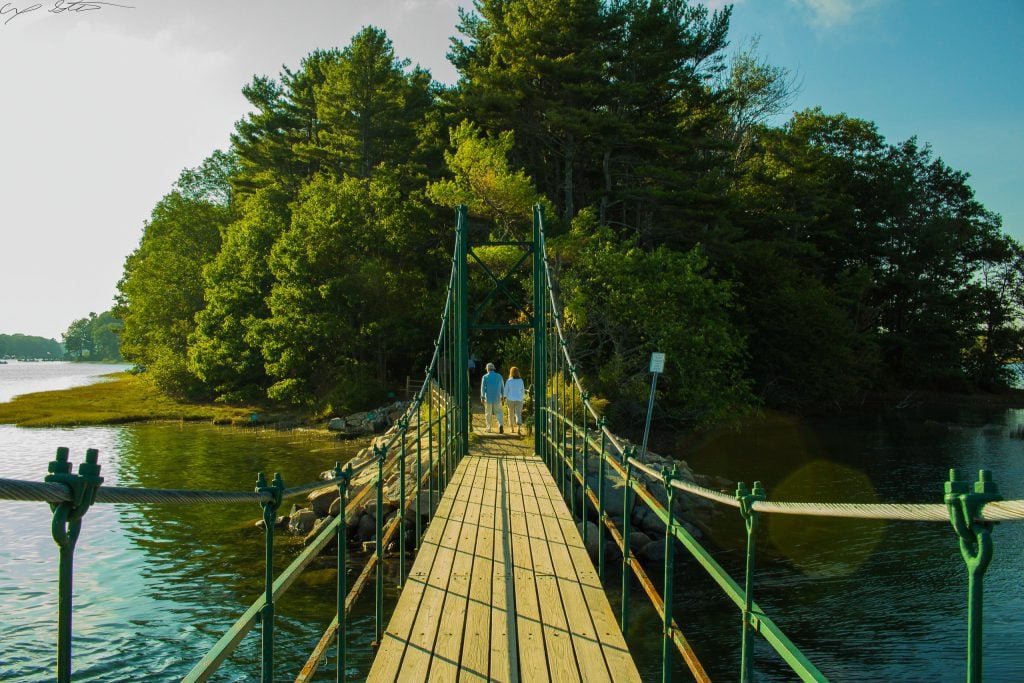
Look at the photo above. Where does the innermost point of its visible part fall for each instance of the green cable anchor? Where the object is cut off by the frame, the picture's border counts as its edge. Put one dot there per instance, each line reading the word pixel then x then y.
pixel 65 529
pixel 976 549
pixel 266 615
pixel 750 519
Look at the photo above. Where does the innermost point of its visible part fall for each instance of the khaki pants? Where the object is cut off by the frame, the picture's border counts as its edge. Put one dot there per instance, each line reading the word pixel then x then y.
pixel 495 410
pixel 515 413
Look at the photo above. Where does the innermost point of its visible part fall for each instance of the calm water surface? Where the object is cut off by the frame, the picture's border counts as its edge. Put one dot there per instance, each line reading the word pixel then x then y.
pixel 156 586
pixel 865 601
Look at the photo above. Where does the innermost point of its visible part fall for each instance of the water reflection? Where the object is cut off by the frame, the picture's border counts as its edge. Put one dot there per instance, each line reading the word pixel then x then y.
pixel 863 600
pixel 162 580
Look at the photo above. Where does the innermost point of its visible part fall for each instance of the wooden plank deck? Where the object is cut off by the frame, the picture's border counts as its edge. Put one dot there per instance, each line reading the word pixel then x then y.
pixel 502 588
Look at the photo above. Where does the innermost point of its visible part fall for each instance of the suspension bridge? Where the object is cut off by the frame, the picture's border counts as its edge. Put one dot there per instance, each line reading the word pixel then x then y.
pixel 501 586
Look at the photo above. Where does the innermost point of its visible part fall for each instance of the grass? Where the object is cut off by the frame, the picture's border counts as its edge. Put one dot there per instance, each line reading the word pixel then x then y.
pixel 125 398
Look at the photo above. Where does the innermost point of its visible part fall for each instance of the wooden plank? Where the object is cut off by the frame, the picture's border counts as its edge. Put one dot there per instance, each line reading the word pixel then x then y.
pixel 419 653
pixel 449 642
pixel 613 644
pixel 562 663
pixel 589 655
pixel 422 586
pixel 504 655
pixel 533 664
pixel 474 662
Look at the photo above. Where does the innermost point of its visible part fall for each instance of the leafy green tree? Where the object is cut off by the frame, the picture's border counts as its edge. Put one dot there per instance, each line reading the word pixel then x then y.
pixel 106 344
pixel 372 108
pixel 349 292
pixel 224 350
pixel 484 181
pixel 679 309
pixel 78 337
pixel 163 288
pixel 29 346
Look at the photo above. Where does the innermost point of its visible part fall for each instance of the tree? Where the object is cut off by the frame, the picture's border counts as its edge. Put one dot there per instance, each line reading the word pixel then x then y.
pixel 162 288
pixel 614 332
pixel 484 182
pixel 78 337
pixel 349 292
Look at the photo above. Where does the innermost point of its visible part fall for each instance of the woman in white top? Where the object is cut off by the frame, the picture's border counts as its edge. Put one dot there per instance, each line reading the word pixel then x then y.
pixel 515 392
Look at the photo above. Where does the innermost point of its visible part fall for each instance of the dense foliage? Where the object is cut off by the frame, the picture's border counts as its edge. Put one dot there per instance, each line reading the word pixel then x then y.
pixel 794 265
pixel 28 346
pixel 94 338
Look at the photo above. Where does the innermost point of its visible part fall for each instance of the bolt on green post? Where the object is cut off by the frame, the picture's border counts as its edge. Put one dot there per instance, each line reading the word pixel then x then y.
pixel 976 549
pixel 65 529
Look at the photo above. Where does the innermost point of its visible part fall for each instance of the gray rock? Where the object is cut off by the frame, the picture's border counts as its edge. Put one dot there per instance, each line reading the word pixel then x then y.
pixel 315 531
pixel 321 500
pixel 591 538
pixel 638 540
pixel 302 522
pixel 337 424
pixel 366 528
pixel 653 553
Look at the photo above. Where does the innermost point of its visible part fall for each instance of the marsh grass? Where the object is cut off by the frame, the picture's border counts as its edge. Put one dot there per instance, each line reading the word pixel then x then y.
pixel 123 398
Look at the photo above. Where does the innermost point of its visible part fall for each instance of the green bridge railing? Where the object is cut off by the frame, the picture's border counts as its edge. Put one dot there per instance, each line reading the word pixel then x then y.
pixel 564 412
pixel 431 431
pixel 568 433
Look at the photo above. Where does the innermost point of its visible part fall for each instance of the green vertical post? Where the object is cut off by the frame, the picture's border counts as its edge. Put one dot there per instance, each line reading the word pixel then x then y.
pixel 378 514
pixel 540 349
pixel 666 625
pixel 584 397
pixel 600 499
pixel 341 538
pixel 750 520
pixel 571 443
pixel 976 549
pixel 419 469
pixel 626 491
pixel 430 446
pixel 403 428
pixel 65 529
pixel 462 331
pixel 275 490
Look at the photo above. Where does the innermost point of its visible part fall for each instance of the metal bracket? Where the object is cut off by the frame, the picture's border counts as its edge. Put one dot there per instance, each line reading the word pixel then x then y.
pixel 974 536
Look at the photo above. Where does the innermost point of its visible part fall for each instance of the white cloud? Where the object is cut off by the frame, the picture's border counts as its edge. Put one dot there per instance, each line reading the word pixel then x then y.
pixel 831 13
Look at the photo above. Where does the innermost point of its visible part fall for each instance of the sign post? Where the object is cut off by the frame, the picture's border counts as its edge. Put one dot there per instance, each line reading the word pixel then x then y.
pixel 657 367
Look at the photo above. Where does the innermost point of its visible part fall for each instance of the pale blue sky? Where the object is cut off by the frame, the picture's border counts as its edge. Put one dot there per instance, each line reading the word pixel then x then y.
pixel 100 110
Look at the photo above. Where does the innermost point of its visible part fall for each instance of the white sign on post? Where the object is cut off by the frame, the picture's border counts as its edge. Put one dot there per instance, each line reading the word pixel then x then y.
pixel 657 362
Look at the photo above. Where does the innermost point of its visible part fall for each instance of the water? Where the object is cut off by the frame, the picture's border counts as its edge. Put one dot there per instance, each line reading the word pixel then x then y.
pixel 156 586
pixel 864 600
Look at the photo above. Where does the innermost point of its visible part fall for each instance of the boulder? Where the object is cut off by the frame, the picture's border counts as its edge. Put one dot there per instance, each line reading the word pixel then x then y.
pixel 321 500
pixel 337 424
pixel 638 540
pixel 653 554
pixel 591 538
pixel 302 522
pixel 315 531
pixel 366 528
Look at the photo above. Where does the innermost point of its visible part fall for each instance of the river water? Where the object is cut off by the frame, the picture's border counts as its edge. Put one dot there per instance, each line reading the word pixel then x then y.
pixel 156 586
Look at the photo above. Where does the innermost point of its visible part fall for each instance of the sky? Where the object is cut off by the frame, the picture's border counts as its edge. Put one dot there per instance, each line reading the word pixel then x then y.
pixel 103 104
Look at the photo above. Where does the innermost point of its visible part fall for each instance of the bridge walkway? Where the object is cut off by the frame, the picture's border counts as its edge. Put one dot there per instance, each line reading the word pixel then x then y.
pixel 502 588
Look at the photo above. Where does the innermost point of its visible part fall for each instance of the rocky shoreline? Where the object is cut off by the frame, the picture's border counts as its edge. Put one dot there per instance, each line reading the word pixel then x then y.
pixel 647 531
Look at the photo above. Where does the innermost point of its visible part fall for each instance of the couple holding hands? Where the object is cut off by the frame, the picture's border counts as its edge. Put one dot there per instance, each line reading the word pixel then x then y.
pixel 494 391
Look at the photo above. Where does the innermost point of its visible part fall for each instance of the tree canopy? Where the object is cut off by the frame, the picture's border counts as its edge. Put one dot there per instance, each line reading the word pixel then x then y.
pixel 794 265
